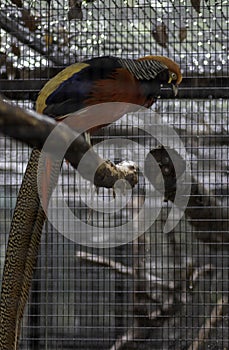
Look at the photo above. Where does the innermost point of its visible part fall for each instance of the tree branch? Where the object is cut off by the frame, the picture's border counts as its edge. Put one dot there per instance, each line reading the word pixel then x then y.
pixel 208 325
pixel 101 260
pixel 29 217
pixel 33 129
pixel 203 211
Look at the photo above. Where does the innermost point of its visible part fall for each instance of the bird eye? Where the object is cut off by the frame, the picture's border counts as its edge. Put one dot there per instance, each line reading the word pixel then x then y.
pixel 173 76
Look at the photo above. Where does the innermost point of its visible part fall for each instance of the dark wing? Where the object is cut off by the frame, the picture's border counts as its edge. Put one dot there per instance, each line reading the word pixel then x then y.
pixel 68 90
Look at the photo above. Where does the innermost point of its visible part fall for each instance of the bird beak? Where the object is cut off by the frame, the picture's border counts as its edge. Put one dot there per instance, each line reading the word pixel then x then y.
pixel 168 91
pixel 170 79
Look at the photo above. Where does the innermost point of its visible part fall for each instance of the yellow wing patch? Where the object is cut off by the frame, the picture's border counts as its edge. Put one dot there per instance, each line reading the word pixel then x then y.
pixel 55 82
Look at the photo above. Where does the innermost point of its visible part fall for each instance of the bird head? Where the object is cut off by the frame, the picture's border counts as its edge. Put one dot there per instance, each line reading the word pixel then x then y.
pixel 175 76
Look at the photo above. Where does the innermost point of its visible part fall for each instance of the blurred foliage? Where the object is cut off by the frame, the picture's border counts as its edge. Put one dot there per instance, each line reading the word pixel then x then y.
pixel 193 32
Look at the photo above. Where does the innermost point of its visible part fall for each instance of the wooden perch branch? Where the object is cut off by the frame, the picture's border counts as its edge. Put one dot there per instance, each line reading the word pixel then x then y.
pixel 198 272
pixel 101 260
pixel 208 325
pixel 123 269
pixel 29 217
pixel 128 337
pixel 33 129
pixel 29 127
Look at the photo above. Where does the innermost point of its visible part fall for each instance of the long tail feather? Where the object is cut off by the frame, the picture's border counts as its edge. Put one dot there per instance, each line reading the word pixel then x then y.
pixel 21 255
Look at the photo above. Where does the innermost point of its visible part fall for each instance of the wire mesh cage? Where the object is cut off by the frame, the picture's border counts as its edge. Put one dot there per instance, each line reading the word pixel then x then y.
pixel 162 282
